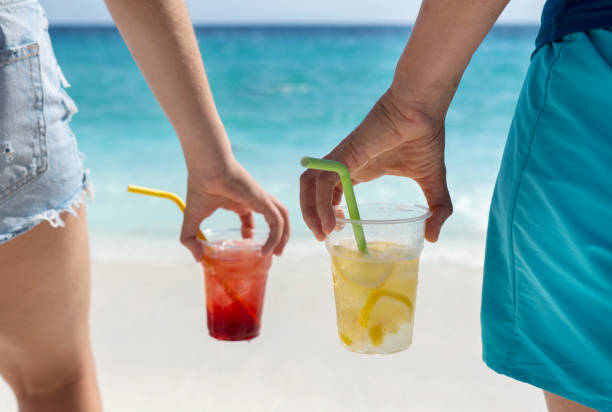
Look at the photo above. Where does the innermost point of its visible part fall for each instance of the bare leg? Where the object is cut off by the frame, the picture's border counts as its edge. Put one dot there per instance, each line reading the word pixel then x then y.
pixel 45 352
pixel 556 403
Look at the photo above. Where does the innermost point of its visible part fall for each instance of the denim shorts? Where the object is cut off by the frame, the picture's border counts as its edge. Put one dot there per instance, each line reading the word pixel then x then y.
pixel 41 169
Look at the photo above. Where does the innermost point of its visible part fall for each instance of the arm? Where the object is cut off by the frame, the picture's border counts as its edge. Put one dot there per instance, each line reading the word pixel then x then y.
pixel 162 41
pixel 403 134
pixel 445 36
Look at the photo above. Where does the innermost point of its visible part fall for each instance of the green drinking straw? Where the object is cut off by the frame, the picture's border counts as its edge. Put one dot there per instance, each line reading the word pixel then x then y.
pixel 349 193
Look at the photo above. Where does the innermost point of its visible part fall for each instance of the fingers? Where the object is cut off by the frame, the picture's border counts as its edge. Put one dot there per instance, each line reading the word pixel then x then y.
pixel 325 187
pixel 277 218
pixel 434 224
pixel 319 192
pixel 239 192
pixel 244 195
pixel 439 202
pixel 308 203
pixel 278 250
pixel 247 224
pixel 275 214
pixel 275 222
pixel 337 196
pixel 247 221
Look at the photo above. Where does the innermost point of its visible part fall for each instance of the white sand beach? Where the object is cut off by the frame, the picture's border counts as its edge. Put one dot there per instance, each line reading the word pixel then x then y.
pixel 153 352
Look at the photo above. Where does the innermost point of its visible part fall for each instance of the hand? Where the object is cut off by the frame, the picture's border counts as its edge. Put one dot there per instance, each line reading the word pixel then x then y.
pixel 394 139
pixel 232 189
pixel 163 43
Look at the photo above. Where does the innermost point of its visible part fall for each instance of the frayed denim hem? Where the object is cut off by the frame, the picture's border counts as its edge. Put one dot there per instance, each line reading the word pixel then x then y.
pixel 53 216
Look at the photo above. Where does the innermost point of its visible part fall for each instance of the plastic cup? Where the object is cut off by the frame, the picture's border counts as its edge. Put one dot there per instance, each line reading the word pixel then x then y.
pixel 375 293
pixel 235 275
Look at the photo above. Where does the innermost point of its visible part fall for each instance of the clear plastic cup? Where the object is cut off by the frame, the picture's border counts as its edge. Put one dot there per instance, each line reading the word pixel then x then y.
pixel 235 275
pixel 375 292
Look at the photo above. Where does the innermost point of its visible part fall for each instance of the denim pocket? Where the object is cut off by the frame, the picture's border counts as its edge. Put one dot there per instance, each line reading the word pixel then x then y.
pixel 23 145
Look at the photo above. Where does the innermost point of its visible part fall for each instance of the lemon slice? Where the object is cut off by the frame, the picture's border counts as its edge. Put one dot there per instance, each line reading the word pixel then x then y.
pixel 373 300
pixel 373 269
pixel 347 341
pixel 377 334
pixel 368 274
pixel 383 313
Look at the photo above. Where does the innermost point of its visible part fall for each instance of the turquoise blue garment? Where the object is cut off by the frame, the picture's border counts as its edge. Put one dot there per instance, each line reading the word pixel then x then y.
pixel 547 292
pixel 562 17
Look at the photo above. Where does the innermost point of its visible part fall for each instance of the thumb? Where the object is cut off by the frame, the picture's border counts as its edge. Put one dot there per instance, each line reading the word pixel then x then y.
pixel 191 227
pixel 438 199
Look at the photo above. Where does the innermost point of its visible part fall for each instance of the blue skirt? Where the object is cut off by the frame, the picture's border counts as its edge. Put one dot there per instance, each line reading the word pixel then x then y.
pixel 547 292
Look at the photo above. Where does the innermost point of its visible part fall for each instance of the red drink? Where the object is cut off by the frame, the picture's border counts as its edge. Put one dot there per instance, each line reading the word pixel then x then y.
pixel 235 275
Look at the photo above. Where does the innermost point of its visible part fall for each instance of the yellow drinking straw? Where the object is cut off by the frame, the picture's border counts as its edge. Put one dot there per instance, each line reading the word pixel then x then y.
pixel 179 202
pixel 166 195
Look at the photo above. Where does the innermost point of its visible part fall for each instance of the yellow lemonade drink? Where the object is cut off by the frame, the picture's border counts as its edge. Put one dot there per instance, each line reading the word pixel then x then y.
pixel 375 281
pixel 375 295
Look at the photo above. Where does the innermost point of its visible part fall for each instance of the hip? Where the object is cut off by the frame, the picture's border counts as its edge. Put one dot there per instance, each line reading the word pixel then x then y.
pixel 40 166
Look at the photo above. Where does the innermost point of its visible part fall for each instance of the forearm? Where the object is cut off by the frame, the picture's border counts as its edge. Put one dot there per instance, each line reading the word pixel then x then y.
pixel 445 36
pixel 161 39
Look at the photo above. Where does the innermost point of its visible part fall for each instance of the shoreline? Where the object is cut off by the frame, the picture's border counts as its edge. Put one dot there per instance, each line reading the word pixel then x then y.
pixel 464 253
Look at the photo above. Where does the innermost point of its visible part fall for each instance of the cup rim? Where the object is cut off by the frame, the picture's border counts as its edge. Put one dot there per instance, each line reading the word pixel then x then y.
pixel 255 246
pixel 426 213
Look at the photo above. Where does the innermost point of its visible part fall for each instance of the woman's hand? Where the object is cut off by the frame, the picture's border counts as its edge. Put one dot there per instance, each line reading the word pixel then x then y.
pixel 231 187
pixel 394 139
pixel 162 41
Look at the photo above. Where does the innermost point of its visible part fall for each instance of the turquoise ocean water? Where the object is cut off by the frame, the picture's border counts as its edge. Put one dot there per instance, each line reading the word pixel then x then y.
pixel 282 92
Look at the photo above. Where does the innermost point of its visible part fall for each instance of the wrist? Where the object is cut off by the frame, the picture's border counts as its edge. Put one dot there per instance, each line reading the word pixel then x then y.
pixel 207 158
pixel 432 100
pixel 206 148
pixel 415 87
